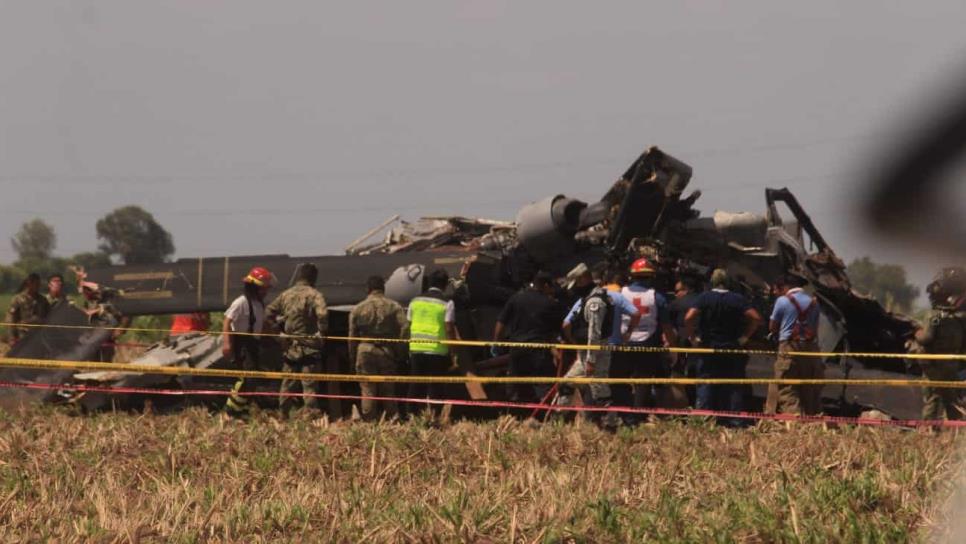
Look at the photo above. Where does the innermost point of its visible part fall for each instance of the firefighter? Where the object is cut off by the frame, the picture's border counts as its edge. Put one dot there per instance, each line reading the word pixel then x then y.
pixel 794 320
pixel 244 320
pixel 945 333
pixel 653 330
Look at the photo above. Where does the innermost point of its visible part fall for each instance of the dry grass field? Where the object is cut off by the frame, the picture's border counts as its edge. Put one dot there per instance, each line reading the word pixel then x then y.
pixel 194 476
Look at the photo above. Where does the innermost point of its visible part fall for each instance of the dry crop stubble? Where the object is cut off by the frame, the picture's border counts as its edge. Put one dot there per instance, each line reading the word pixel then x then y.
pixel 193 476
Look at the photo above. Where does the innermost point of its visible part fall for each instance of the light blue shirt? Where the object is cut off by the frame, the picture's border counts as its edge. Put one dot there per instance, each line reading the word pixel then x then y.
pixel 622 307
pixel 786 314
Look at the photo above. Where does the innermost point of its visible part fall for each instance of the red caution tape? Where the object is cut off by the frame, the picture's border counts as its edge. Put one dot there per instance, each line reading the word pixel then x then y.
pixel 500 404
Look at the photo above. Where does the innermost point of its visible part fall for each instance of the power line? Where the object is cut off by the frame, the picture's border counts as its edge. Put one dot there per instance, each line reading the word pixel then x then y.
pixel 519 167
pixel 519 202
pixel 272 211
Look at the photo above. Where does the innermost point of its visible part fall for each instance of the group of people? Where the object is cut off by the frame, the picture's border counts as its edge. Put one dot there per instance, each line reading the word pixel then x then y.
pixel 628 324
pixel 29 308
pixel 611 324
pixel 381 331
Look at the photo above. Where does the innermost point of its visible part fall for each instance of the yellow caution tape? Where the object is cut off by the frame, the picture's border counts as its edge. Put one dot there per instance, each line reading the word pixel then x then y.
pixel 538 345
pixel 50 364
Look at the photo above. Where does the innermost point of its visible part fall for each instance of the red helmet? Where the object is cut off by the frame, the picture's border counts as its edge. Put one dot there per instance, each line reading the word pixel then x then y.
pixel 642 267
pixel 260 277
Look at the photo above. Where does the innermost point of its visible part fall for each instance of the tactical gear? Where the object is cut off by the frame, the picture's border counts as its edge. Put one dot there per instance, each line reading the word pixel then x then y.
pixel 379 317
pixel 580 324
pixel 302 314
pixel 945 333
pixel 947 287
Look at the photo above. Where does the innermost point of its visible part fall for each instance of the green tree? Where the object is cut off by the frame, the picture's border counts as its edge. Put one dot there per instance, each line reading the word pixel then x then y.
pixel 133 235
pixel 10 279
pixel 90 260
pixel 35 241
pixel 886 283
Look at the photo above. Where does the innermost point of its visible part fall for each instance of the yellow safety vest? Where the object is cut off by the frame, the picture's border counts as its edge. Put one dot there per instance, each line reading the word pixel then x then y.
pixel 428 323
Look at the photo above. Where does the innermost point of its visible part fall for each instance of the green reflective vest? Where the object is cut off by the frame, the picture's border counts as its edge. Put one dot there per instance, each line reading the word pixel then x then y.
pixel 428 323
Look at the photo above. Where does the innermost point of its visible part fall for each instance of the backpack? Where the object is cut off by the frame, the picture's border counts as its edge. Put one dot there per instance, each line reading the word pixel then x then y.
pixel 945 326
pixel 581 327
pixel 801 330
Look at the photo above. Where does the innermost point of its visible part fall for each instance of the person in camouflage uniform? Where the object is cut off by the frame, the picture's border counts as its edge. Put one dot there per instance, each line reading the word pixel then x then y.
pixel 300 312
pixel 945 333
pixel 28 307
pixel 101 312
pixel 55 292
pixel 377 317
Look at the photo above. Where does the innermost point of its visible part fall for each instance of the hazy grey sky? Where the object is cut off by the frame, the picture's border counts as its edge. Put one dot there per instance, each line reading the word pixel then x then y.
pixel 292 127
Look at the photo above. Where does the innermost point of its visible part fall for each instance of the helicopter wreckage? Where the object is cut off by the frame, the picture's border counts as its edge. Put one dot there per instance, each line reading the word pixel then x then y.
pixel 645 212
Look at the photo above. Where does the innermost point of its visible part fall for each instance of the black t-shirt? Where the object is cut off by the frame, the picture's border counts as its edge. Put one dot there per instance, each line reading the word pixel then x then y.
pixel 722 318
pixel 531 316
pixel 678 309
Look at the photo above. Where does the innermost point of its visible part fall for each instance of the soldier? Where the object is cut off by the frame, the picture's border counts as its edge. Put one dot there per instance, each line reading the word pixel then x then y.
pixel 945 333
pixel 29 307
pixel 300 312
pixel 101 312
pixel 55 292
pixel 246 315
pixel 377 317
pixel 794 321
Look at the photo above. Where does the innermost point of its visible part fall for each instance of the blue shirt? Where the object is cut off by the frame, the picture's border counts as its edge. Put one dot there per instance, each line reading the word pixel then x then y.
pixel 722 317
pixel 786 314
pixel 621 305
